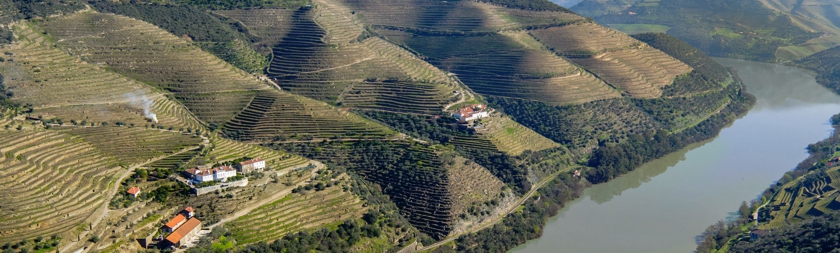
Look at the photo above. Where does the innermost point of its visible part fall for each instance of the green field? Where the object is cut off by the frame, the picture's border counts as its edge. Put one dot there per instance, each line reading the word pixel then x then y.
pixel 639 28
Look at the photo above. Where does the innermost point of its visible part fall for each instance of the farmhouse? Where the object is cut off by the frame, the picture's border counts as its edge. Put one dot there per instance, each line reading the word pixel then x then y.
pixel 251 165
pixel 133 191
pixel 470 113
pixel 221 173
pixel 184 233
pixel 174 223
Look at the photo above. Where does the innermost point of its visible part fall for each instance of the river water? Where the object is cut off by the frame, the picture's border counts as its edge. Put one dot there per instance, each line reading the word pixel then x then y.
pixel 664 205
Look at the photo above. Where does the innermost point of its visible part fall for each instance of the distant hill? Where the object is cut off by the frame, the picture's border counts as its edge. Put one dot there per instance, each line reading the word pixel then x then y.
pixel 739 29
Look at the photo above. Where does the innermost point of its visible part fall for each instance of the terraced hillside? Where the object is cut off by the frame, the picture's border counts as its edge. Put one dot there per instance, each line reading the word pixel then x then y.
pixel 524 64
pixel 225 150
pixel 51 183
pixel 272 114
pixel 639 70
pixel 135 145
pixel 45 76
pixel 327 57
pixel 214 90
pixel 269 25
pixel 811 195
pixel 512 138
pixel 296 212
pixel 432 188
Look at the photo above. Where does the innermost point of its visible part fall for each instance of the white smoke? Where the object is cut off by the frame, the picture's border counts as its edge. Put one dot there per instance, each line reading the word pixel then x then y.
pixel 138 98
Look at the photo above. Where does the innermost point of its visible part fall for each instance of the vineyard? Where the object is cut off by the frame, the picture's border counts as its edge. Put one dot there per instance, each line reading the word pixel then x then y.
pixel 134 144
pixel 269 25
pixel 453 15
pixel 43 75
pixel 811 195
pixel 214 91
pixel 296 212
pixel 620 60
pixel 513 138
pixel 50 183
pixel 226 150
pixel 274 114
pixel 326 57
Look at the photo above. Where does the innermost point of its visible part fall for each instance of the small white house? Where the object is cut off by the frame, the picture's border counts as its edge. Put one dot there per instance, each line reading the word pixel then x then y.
pixel 221 173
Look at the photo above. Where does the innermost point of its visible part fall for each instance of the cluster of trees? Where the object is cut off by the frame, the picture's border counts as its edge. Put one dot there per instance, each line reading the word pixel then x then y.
pixel 227 40
pixel 440 129
pixel 821 234
pixel 523 225
pixel 443 129
pixel 14 10
pixel 39 244
pixel 537 5
pixel 611 161
pixel 727 28
pixel 826 63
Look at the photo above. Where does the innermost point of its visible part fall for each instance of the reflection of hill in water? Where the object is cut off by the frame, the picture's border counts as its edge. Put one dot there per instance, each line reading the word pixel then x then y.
pixel 771 84
pixel 605 192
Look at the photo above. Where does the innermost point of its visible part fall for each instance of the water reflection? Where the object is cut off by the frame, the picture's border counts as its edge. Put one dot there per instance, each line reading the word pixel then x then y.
pixel 663 205
pixel 639 176
pixel 800 88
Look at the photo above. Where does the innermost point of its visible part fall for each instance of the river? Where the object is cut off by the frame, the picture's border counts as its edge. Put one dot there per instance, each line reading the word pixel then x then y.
pixel 665 204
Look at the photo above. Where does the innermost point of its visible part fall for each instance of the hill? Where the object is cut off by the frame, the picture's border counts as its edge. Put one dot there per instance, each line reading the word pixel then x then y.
pixel 740 29
pixel 366 86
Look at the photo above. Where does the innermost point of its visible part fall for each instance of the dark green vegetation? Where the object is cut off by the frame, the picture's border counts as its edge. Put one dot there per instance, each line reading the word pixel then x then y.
pixel 827 66
pixel 612 161
pixel 519 226
pixel 537 5
pixel 814 235
pixel 725 28
pixel 415 177
pixel 14 10
pixel 211 33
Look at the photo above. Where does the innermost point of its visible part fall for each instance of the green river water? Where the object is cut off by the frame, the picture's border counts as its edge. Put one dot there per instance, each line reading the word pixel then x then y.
pixel 664 205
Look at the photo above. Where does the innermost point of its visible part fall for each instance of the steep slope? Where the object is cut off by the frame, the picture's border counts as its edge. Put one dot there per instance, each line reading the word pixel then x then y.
pixel 213 90
pixel 431 187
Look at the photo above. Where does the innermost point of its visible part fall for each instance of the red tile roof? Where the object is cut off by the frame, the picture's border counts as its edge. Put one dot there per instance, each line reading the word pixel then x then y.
pixel 189 209
pixel 185 229
pixel 174 221
pixel 207 172
pixel 133 190
pixel 252 161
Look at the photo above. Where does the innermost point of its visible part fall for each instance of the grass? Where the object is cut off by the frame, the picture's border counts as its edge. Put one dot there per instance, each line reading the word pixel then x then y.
pixel 640 28
pixel 729 33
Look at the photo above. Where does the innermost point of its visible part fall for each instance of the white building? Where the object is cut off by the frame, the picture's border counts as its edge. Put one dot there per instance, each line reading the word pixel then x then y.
pixel 221 173
pixel 251 165
pixel 471 113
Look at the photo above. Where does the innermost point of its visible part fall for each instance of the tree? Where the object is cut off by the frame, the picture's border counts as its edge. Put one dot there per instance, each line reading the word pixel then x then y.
pixel 744 210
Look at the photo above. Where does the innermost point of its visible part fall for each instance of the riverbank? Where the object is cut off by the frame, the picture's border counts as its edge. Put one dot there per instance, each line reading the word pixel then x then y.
pixel 646 209
pixel 518 227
